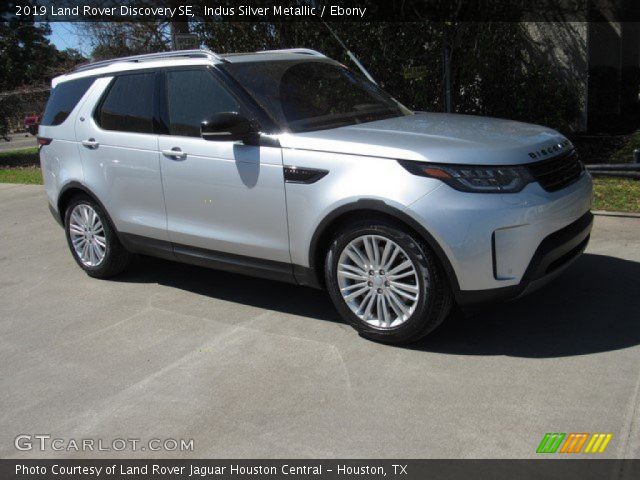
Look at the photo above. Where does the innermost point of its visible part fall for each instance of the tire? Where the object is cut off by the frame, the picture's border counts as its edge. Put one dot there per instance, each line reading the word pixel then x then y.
pixel 115 257
pixel 419 316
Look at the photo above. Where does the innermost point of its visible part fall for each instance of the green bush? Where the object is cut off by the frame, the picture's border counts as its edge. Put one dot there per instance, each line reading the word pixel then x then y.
pixel 20 158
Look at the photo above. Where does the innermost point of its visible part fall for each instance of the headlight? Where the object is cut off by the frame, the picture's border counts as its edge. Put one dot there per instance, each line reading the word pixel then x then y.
pixel 471 178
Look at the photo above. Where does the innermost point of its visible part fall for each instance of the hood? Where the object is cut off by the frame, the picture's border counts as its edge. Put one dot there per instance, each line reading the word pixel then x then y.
pixel 438 138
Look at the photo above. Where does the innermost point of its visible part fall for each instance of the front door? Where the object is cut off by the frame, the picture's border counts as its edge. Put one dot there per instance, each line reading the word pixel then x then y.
pixel 220 196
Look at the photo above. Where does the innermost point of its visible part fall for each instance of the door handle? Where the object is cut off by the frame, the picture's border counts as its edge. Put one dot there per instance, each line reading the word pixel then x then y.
pixel 90 143
pixel 174 153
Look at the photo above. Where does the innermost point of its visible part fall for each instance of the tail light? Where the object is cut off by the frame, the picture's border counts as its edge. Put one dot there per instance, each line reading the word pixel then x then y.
pixel 42 141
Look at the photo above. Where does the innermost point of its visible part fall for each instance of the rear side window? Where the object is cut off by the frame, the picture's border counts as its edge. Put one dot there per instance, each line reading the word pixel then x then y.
pixel 128 106
pixel 194 96
pixel 64 98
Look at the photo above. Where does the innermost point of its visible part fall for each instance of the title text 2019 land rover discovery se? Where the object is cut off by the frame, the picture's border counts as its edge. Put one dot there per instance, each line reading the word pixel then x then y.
pixel 289 166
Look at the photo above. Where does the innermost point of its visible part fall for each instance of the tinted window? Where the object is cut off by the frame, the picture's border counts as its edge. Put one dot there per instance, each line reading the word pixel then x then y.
pixel 64 97
pixel 194 96
pixel 312 95
pixel 128 106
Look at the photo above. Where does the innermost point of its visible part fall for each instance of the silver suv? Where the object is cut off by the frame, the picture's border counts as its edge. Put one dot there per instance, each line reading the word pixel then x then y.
pixel 289 166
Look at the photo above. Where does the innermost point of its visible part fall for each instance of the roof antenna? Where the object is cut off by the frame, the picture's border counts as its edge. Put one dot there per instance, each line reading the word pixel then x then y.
pixel 351 55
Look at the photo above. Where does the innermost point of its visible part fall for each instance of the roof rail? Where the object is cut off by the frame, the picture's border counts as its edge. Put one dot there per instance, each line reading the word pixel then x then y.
pixel 201 53
pixel 305 51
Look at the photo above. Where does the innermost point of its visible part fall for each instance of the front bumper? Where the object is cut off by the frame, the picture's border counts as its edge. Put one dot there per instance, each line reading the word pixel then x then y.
pixel 501 246
pixel 555 253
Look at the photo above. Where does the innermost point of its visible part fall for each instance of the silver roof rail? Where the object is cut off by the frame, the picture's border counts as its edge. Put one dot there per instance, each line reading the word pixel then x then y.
pixel 202 53
pixel 303 51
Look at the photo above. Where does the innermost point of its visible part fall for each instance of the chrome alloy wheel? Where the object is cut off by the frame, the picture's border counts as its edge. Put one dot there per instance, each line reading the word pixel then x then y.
pixel 87 235
pixel 378 281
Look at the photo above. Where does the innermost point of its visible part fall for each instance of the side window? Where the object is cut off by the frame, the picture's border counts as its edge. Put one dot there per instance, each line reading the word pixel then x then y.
pixel 64 98
pixel 128 106
pixel 194 96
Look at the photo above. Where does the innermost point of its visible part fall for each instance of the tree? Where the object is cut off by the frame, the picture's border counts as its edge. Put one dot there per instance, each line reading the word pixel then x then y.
pixel 26 56
pixel 121 39
pixel 28 61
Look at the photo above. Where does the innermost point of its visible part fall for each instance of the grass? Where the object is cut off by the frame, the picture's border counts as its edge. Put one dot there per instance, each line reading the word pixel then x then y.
pixel 30 175
pixel 616 194
pixel 22 157
pixel 619 194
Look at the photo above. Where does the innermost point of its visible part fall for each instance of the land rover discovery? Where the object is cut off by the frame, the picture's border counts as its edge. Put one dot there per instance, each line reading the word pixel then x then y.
pixel 287 165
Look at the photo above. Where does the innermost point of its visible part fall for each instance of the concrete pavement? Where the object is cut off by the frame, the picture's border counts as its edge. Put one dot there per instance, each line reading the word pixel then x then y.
pixel 251 368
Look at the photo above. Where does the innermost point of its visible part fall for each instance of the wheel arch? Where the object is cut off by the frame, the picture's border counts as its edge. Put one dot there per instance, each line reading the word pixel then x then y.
pixel 72 189
pixel 374 209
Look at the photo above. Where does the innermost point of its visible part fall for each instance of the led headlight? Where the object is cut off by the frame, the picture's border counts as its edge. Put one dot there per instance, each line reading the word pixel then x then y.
pixel 472 178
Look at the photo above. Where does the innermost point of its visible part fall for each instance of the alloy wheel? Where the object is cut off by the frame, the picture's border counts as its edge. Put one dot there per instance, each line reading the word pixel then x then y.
pixel 87 235
pixel 378 281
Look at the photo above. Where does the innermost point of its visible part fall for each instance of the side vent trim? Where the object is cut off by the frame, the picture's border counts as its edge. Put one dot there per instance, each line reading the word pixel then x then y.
pixel 306 176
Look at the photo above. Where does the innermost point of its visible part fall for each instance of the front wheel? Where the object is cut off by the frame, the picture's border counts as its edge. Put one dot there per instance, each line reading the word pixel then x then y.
pixel 386 282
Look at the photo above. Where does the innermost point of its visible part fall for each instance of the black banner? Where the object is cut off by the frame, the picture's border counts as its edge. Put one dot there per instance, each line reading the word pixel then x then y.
pixel 322 469
pixel 316 10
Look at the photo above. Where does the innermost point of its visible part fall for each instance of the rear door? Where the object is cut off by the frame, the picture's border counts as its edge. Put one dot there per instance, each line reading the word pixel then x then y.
pixel 220 195
pixel 119 151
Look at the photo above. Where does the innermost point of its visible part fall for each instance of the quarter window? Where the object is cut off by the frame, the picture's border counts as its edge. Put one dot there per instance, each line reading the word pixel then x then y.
pixel 193 96
pixel 64 98
pixel 128 106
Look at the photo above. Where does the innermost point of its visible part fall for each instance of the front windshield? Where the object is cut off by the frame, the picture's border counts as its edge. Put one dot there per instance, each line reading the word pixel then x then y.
pixel 314 95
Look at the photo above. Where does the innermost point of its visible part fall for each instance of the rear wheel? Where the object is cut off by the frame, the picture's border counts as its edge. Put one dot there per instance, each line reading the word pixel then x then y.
pixel 92 239
pixel 386 283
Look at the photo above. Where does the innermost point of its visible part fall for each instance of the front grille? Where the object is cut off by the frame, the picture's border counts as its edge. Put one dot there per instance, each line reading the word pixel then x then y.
pixel 558 172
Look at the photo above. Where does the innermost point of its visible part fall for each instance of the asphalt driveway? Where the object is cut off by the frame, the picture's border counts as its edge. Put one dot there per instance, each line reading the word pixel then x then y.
pixel 18 141
pixel 251 368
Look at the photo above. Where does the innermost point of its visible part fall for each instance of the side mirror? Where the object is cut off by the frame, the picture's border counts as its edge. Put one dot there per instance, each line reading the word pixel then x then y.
pixel 227 127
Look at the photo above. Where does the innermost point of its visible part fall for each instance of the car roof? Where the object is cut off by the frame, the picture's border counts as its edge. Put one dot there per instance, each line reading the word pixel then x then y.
pixel 182 57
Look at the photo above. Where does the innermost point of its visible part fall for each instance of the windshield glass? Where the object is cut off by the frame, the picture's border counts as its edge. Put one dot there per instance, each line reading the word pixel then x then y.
pixel 314 95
